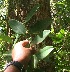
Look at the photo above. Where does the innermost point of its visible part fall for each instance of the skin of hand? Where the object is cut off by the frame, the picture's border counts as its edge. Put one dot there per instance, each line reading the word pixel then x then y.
pixel 20 53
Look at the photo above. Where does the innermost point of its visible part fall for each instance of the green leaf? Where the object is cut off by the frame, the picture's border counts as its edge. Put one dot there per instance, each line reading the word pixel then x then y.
pixel 32 12
pixel 5 38
pixel 62 31
pixel 44 52
pixel 39 38
pixel 17 26
pixel 40 26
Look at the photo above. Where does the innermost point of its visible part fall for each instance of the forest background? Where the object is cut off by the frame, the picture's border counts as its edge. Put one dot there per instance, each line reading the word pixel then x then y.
pixel 46 23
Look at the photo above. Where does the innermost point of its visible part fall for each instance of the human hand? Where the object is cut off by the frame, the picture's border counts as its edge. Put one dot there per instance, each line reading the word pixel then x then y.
pixel 20 53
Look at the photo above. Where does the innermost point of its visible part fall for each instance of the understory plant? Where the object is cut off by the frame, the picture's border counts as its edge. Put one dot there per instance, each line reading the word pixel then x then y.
pixel 38 34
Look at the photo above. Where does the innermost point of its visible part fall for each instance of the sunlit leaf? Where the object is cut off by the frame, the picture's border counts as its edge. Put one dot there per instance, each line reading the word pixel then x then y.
pixel 17 27
pixel 44 52
pixel 5 38
pixel 39 38
pixel 62 31
pixel 32 12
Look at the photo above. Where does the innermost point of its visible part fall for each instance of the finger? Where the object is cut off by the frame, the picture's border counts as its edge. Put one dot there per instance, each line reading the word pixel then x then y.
pixel 25 42
pixel 33 50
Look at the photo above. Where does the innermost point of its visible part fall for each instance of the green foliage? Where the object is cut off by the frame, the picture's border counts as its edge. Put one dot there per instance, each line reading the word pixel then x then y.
pixel 5 38
pixel 39 38
pixel 40 26
pixel 32 12
pixel 20 29
pixel 41 54
pixel 60 35
pixel 17 27
pixel 44 52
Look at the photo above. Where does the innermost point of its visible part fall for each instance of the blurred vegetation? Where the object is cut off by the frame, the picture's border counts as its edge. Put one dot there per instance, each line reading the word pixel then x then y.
pixel 52 15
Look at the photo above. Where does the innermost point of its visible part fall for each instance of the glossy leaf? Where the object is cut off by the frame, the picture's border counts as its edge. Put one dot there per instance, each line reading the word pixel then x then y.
pixel 40 26
pixel 32 12
pixel 17 26
pixel 5 38
pixel 39 38
pixel 44 52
